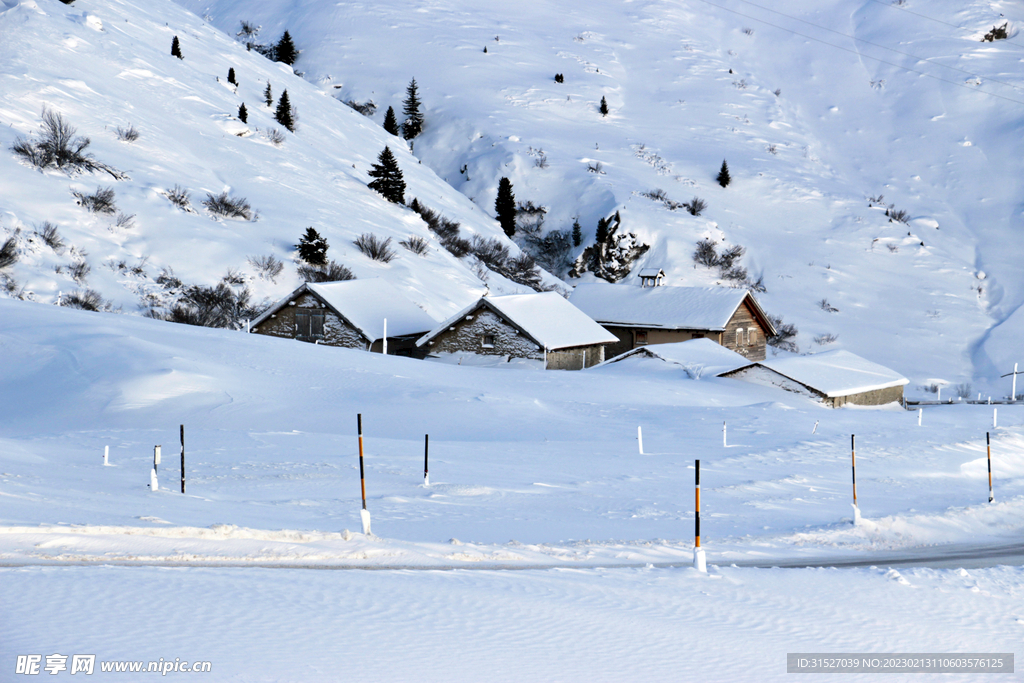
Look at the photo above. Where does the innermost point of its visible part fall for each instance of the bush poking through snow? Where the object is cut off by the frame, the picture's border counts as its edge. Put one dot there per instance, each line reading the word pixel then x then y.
pixel 228 207
pixel 85 300
pixel 51 237
pixel 332 272
pixel 274 136
pixel 101 202
pixel 826 339
pixel 695 206
pixel 784 335
pixel 79 270
pixel 997 33
pixel 897 215
pixel 416 244
pixel 368 108
pixel 964 390
pixel 125 221
pixel 59 147
pixel 827 307
pixel 180 198
pixel 127 133
pixel 9 253
pixel 447 230
pixel 374 247
pixel 266 267
pixel 705 254
pixel 596 167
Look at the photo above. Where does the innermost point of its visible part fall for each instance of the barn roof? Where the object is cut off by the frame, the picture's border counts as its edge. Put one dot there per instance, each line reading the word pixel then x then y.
pixel 546 318
pixel 836 373
pixel 673 308
pixel 364 304
pixel 702 355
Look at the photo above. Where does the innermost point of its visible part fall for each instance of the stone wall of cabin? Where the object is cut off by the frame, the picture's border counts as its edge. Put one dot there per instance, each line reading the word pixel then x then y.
pixel 869 398
pixel 744 319
pixel 466 336
pixel 336 331
pixel 575 357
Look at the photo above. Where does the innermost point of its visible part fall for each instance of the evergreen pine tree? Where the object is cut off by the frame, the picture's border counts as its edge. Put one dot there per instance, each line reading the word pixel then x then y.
pixel 604 107
pixel 390 122
pixel 268 96
pixel 505 207
pixel 577 233
pixel 601 236
pixel 231 76
pixel 723 175
pixel 283 115
pixel 388 177
pixel 313 248
pixel 176 48
pixel 413 125
pixel 285 50
pixel 243 114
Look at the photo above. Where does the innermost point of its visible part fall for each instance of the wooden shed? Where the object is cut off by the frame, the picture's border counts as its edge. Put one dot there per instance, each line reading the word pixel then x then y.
pixel 639 316
pixel 836 378
pixel 351 314
pixel 542 327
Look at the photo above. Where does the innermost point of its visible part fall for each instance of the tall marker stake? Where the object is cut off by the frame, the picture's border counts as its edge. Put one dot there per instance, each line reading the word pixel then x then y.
pixel 183 458
pixel 724 444
pixel 988 447
pixel 364 513
pixel 920 414
pixel 106 455
pixel 699 560
pixel 426 457
pixel 853 463
pixel 640 439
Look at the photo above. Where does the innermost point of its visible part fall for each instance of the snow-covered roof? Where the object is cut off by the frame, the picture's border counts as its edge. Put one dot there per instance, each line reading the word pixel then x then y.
pixel 365 304
pixel 674 308
pixel 547 318
pixel 702 355
pixel 652 272
pixel 837 373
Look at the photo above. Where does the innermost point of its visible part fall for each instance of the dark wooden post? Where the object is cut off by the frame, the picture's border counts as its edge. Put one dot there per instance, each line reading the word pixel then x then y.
pixel 988 447
pixel 426 458
pixel 183 458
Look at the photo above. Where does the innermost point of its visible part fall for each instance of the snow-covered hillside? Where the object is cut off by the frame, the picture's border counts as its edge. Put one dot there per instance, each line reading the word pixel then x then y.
pixel 810 131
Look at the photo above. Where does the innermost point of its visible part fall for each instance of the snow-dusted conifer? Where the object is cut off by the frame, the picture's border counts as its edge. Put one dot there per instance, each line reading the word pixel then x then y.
pixel 283 115
pixel 231 76
pixel 176 48
pixel 268 95
pixel 285 50
pixel 390 122
pixel 243 114
pixel 505 207
pixel 313 248
pixel 413 125
pixel 577 233
pixel 723 175
pixel 604 107
pixel 388 178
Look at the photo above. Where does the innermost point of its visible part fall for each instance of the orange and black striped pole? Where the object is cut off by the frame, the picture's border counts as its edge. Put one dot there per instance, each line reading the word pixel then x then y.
pixel 696 517
pixel 988 447
pixel 853 463
pixel 362 475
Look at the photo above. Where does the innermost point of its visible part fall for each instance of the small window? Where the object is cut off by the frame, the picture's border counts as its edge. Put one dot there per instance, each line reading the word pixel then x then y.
pixel 641 338
pixel 488 341
pixel 751 336
pixel 739 337
pixel 698 335
pixel 309 325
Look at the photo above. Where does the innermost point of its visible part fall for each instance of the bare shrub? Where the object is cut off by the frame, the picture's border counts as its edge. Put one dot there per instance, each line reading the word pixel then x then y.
pixel 216 306
pixel 596 167
pixel 447 230
pixel 540 157
pixel 893 248
pixel 657 195
pixel 784 335
pixel 728 258
pixel 229 207
pixel 180 198
pixel 771 149
pixel 9 253
pixel 964 390
pixel 826 339
pixel 59 147
pixel 827 307
pixel 51 237
pixel 332 272
pixel 275 136
pixel 748 31
pixel 736 275
pixel 416 244
pixel 705 253
pixel 168 280
pixel 375 247
pixel 492 252
pixel 695 206
pixel 457 246
pixel 777 92
pixel 876 201
pixel 85 300
pixel 233 277
pixel 127 133
pixel 997 33
pixel 100 202
pixel 897 215
pixel 368 108
pixel 124 221
pixel 266 267
pixel 79 271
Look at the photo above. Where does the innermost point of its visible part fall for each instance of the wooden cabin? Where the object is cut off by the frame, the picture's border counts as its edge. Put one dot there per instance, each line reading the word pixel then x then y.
pixel 356 314
pixel 541 327
pixel 639 316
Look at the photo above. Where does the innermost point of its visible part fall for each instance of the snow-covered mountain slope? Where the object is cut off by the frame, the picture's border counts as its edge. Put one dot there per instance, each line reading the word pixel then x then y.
pixel 817 106
pixel 107 64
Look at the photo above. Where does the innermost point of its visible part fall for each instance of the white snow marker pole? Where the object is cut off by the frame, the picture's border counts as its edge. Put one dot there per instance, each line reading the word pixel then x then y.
pixel 156 458
pixel 920 414
pixel 153 484
pixel 995 418
pixel 385 347
pixel 939 398
pixel 426 456
pixel 699 560
pixel 183 458
pixel 1013 392
pixel 106 455
pixel 815 427
pixel 988 447
pixel 364 513
pixel 853 464
pixel 724 443
pixel 640 438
